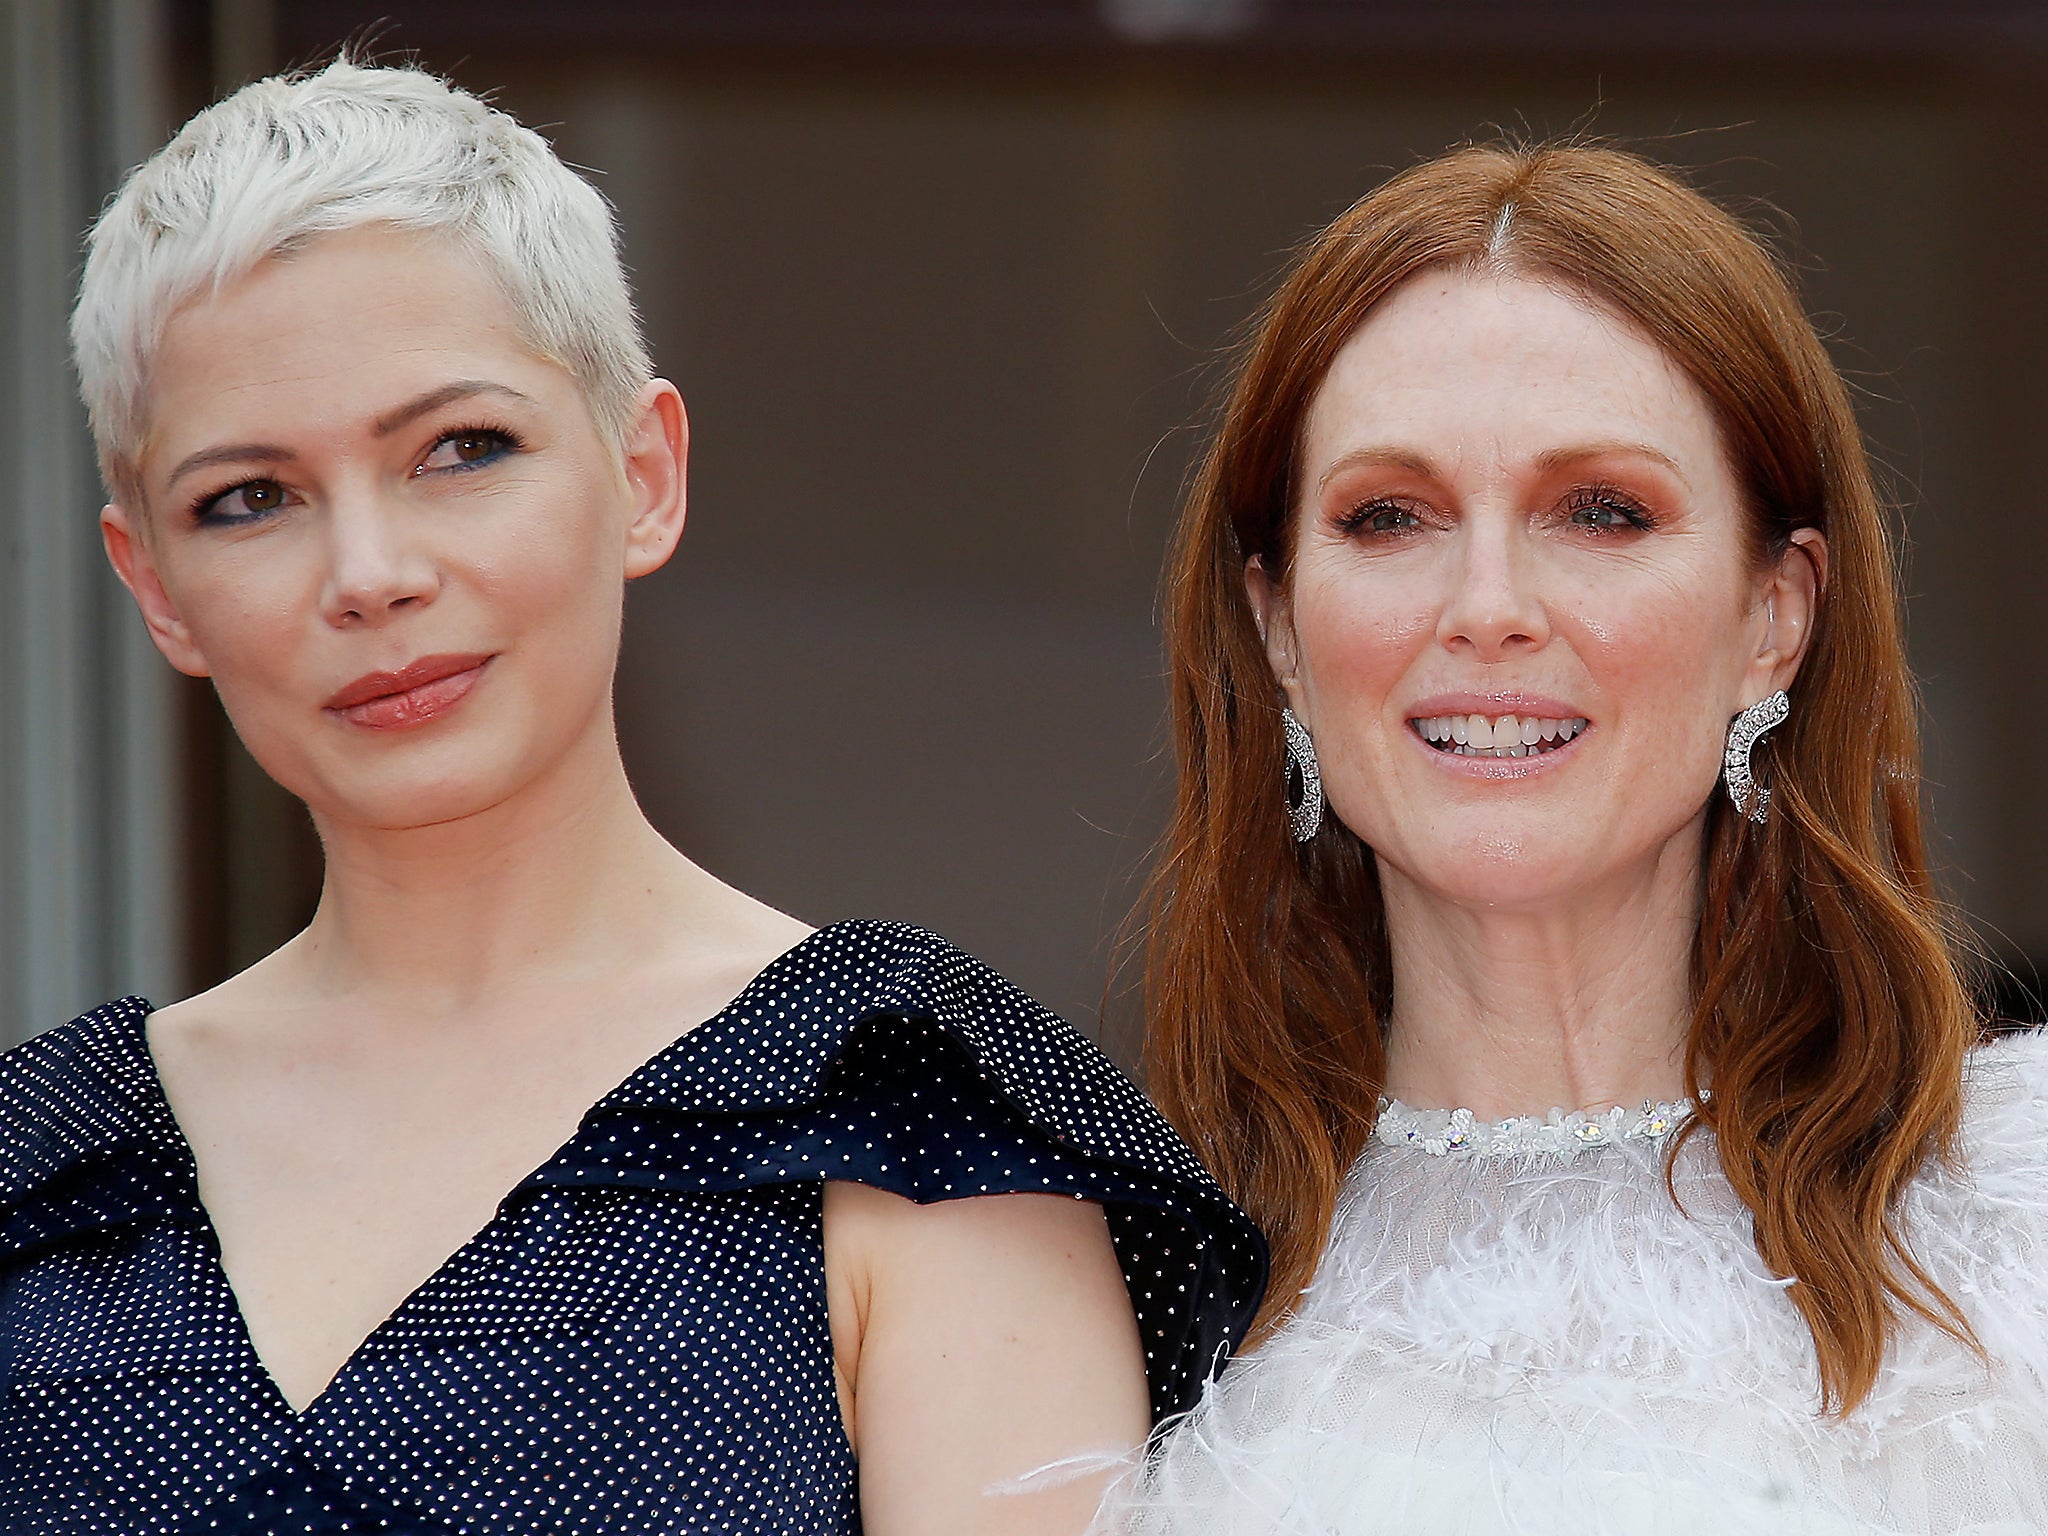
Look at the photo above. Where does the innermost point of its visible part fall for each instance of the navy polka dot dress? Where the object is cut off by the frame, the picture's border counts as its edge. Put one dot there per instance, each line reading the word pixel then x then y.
pixel 637 1342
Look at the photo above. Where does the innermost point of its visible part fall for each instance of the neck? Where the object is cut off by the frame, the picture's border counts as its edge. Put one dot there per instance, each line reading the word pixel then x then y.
pixel 1581 1004
pixel 562 880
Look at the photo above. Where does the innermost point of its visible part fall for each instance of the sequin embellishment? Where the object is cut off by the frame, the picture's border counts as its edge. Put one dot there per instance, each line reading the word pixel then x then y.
pixel 1460 1133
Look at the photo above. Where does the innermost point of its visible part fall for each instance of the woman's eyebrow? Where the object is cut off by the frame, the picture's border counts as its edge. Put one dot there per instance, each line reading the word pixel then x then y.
pixel 1394 458
pixel 232 453
pixel 390 422
pixel 1559 458
pixel 446 394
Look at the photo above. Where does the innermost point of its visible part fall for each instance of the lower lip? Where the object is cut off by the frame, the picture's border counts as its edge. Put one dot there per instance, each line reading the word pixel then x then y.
pixel 415 706
pixel 1499 767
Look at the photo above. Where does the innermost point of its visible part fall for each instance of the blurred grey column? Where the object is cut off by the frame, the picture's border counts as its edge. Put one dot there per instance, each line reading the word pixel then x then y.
pixel 89 769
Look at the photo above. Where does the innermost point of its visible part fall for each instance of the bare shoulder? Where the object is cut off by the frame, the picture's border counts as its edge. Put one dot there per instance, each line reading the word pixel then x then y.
pixel 879 1226
pixel 752 937
pixel 212 1030
pixel 990 1336
pixel 715 937
pixel 1021 1261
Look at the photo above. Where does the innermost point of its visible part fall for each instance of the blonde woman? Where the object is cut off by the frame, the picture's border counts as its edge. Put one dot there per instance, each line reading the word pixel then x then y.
pixel 545 1182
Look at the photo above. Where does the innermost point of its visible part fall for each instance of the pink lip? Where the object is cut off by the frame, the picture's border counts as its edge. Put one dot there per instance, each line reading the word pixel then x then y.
pixel 421 691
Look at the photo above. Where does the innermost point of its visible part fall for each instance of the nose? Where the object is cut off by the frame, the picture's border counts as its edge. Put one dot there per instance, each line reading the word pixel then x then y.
pixel 377 567
pixel 1493 610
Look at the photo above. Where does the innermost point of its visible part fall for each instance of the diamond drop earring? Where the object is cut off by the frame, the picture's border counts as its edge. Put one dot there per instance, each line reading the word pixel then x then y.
pixel 1750 797
pixel 1305 814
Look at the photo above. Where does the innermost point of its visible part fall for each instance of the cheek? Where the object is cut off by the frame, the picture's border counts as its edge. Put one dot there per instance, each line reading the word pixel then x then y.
pixel 1666 659
pixel 1355 636
pixel 248 622
pixel 554 584
pixel 559 545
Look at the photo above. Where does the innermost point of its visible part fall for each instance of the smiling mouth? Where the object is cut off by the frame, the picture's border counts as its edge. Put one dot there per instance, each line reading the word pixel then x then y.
pixel 1498 736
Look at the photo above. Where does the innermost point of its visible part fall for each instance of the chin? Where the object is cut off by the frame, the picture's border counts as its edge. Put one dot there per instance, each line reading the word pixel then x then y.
pixel 397 796
pixel 1500 868
pixel 434 806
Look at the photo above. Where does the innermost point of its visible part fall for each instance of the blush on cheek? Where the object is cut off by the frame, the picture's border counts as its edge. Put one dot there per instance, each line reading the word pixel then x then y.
pixel 1357 628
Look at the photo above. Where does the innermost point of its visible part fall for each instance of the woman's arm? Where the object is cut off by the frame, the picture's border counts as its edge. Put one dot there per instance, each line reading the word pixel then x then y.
pixel 976 1340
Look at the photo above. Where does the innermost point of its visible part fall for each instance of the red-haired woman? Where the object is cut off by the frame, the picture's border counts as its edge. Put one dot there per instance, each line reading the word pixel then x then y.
pixel 1544 950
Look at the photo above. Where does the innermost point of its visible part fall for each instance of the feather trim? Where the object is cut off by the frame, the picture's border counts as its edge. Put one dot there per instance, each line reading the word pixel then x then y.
pixel 1538 1345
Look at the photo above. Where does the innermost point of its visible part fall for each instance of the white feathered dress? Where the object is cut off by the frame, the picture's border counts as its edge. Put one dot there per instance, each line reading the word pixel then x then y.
pixel 1546 1344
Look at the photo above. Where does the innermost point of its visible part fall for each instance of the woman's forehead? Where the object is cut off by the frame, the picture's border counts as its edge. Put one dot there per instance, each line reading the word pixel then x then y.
pixel 1485 367
pixel 336 337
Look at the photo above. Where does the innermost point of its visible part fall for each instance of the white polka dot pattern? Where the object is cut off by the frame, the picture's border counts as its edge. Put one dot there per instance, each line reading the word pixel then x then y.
pixel 638 1341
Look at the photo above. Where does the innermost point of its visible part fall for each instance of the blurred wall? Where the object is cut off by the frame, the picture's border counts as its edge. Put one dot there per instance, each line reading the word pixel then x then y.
pixel 93 880
pixel 944 312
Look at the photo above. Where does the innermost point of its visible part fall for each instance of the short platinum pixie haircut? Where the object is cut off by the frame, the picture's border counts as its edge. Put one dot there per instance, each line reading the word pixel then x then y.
pixel 285 160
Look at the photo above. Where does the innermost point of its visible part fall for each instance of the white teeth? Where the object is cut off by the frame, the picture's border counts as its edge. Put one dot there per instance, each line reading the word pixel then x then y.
pixel 1509 736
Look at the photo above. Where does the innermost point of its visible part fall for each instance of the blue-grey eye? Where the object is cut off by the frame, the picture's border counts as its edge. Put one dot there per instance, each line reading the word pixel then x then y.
pixel 1607 513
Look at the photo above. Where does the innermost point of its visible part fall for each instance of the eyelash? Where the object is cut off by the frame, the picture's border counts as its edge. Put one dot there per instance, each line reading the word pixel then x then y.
pixel 1587 498
pixel 1358 517
pixel 506 441
pixel 1609 498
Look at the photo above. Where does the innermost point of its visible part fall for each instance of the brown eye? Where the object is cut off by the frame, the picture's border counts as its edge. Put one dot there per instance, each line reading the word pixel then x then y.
pixel 249 502
pixel 471 448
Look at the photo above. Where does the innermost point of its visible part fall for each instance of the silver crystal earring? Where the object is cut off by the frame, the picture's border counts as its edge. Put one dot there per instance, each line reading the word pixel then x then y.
pixel 1750 797
pixel 1305 812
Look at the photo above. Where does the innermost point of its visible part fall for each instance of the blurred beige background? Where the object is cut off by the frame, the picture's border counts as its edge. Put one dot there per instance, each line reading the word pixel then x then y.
pixel 944 285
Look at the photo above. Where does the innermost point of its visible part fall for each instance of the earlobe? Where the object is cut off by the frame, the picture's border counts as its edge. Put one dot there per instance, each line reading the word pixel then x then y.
pixel 657 462
pixel 129 553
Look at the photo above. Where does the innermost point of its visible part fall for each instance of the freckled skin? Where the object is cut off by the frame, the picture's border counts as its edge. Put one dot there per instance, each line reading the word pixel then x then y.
pixel 1649 635
pixel 1466 468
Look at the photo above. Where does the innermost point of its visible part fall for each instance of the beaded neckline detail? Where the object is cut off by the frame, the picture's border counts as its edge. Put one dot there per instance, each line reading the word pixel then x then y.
pixel 1460 1133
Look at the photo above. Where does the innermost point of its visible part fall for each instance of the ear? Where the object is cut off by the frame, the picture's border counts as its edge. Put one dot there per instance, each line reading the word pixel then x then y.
pixel 1790 599
pixel 1274 612
pixel 657 462
pixel 129 552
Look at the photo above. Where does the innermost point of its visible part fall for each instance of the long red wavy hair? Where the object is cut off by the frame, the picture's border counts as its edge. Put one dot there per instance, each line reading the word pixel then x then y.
pixel 1833 1011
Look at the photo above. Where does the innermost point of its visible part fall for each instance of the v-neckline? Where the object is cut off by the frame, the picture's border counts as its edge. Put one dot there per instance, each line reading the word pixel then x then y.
pixel 157 1105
